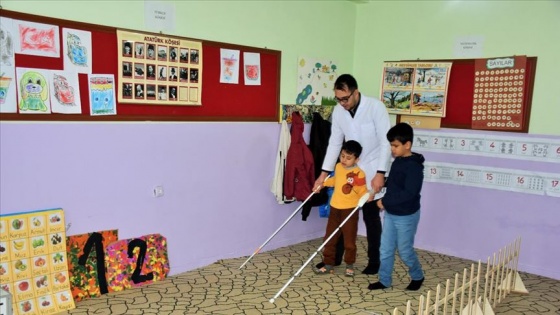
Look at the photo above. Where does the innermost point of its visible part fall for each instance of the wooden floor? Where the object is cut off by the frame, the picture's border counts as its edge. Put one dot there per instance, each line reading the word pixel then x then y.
pixel 221 288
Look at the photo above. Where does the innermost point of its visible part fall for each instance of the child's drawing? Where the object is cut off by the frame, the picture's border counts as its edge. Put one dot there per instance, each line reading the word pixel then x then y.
pixel 102 94
pixel 8 101
pixel 66 91
pixel 77 50
pixel 37 39
pixel 229 66
pixel 33 91
pixel 316 82
pixel 252 67
pixel 6 42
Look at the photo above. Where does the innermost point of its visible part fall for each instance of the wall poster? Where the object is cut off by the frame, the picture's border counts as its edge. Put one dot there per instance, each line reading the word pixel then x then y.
pixel 415 88
pixel 33 266
pixel 499 93
pixel 159 70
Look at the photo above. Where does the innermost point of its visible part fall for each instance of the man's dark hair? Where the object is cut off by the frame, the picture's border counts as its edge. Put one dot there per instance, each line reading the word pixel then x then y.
pixel 352 147
pixel 345 81
pixel 401 132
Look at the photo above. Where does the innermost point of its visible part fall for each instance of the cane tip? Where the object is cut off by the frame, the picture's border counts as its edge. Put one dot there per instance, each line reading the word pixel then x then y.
pixel 271 301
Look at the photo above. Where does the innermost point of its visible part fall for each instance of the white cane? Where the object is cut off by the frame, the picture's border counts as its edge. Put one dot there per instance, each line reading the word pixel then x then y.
pixel 361 203
pixel 282 226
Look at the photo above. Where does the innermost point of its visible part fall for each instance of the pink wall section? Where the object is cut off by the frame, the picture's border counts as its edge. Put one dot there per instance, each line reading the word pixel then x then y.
pixel 217 203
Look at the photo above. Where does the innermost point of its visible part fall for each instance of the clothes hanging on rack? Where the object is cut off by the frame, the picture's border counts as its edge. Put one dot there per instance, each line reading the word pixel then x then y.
pixel 318 143
pixel 299 177
pixel 277 186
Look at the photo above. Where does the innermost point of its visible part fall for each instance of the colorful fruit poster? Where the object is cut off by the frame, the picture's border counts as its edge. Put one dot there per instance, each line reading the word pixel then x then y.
pixel 84 277
pixel 33 266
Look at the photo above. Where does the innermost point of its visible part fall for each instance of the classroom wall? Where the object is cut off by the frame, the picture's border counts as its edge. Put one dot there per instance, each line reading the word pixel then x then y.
pixel 217 203
pixel 216 176
pixel 458 220
pixel 408 30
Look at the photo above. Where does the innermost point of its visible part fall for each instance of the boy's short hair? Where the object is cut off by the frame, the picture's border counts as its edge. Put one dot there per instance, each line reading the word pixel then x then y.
pixel 401 132
pixel 352 147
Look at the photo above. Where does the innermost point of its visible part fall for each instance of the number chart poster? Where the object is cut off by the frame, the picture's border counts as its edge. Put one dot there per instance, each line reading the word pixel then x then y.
pixel 415 88
pixel 159 70
pixel 33 266
pixel 499 94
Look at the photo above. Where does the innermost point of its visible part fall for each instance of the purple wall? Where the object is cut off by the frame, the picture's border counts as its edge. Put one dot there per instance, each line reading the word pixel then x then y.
pixel 217 202
pixel 475 223
pixel 216 177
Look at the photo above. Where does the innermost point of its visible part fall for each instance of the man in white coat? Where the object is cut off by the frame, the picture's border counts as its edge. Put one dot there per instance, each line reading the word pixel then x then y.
pixel 363 119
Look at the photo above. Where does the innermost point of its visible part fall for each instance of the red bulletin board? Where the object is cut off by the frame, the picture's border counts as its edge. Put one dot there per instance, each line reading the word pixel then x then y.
pixel 460 94
pixel 220 102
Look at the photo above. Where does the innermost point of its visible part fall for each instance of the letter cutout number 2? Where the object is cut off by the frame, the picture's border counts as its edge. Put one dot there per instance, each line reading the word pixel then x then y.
pixel 136 276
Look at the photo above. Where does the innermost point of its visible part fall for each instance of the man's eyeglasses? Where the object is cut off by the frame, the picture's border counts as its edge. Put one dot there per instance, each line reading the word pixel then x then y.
pixel 344 99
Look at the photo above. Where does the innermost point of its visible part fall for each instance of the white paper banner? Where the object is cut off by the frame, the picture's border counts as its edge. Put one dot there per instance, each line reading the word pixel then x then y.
pixel 528 182
pixel 524 148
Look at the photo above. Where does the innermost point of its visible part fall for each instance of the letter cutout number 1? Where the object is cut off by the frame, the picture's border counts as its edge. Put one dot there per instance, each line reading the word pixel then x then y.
pixel 97 240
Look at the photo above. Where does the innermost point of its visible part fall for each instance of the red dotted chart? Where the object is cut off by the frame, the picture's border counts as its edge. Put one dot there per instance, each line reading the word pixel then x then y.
pixel 499 94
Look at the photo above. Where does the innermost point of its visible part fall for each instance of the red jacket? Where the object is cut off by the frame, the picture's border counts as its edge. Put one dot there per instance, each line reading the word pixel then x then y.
pixel 299 176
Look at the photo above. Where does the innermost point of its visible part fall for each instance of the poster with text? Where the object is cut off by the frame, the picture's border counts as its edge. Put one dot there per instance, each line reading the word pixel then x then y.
pixel 33 266
pixel 158 70
pixel 415 88
pixel 499 99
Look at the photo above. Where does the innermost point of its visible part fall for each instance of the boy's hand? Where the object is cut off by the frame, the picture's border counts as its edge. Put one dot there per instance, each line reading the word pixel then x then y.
pixel 380 204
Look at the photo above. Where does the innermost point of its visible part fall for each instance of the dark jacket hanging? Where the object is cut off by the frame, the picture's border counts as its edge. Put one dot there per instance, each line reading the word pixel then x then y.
pixel 318 143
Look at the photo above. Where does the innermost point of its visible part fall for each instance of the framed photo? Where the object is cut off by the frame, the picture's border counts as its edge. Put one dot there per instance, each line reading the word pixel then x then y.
pixel 162 53
pixel 184 55
pixel 139 50
pixel 139 91
pixel 151 52
pixel 127 48
pixel 139 71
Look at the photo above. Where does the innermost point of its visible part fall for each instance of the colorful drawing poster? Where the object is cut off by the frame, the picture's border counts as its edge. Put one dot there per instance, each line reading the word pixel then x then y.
pixel 102 94
pixel 37 39
pixel 252 68
pixel 158 70
pixel 76 47
pixel 136 262
pixel 499 94
pixel 316 82
pixel 8 103
pixel 229 66
pixel 34 93
pixel 84 278
pixel 415 88
pixel 65 91
pixel 33 266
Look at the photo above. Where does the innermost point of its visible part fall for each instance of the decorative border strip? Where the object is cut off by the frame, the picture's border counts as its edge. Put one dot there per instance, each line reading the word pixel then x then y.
pixel 546 184
pixel 537 149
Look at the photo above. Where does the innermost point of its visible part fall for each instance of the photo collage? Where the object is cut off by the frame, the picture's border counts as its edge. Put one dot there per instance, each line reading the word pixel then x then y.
pixel 159 70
